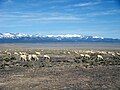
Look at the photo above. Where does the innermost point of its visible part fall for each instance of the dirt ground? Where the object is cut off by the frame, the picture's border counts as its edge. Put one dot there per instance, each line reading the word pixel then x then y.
pixel 64 77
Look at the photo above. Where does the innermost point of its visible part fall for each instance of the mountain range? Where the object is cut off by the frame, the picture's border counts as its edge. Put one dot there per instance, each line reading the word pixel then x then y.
pixel 37 38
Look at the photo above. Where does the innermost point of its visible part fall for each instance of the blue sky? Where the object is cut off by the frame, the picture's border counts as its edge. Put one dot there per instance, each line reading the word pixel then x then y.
pixel 86 17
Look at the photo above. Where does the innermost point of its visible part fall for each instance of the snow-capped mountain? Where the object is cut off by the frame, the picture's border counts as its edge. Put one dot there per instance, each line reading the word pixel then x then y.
pixel 19 37
pixel 13 35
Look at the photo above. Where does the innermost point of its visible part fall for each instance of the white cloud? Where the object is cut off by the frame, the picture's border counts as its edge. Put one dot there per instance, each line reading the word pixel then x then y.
pixel 55 16
pixel 86 4
pixel 55 19
pixel 110 12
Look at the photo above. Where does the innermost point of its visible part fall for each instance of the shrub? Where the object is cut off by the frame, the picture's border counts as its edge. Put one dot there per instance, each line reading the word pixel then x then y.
pixel 13 58
pixel 6 58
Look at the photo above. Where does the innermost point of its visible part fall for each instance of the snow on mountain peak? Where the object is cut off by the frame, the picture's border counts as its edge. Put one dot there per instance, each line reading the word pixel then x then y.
pixel 19 35
pixel 65 35
pixel 8 35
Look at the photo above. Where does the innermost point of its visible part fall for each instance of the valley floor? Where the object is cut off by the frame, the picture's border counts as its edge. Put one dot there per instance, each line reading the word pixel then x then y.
pixel 64 77
pixel 67 69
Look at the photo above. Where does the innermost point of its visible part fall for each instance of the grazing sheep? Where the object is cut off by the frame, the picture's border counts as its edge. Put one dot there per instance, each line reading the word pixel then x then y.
pixel 86 55
pixel 5 51
pixel 99 57
pixel 112 53
pixel 46 57
pixel 38 53
pixel 15 53
pixel 118 53
pixel 20 53
pixel 82 55
pixel 103 52
pixel 24 53
pixel 29 57
pixel 76 52
pixel 8 53
pixel 89 51
pixel 32 57
pixel 64 52
pixel 23 57
pixel 68 52
pixel 35 57
pixel 42 50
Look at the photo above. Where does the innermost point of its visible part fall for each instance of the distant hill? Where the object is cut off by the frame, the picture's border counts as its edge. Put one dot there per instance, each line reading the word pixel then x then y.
pixel 37 38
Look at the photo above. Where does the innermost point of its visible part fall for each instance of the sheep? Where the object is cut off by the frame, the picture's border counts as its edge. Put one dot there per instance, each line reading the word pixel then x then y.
pixel 23 57
pixel 82 55
pixel 8 53
pixel 15 53
pixel 64 52
pixel 92 52
pixel 29 57
pixel 35 57
pixel 86 55
pixel 46 57
pixel 5 51
pixel 42 50
pixel 76 52
pixel 20 53
pixel 68 52
pixel 103 52
pixel 24 53
pixel 99 57
pixel 112 53
pixel 118 53
pixel 38 53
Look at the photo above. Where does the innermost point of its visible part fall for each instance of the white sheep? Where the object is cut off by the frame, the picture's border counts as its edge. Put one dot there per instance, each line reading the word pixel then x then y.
pixel 86 55
pixel 29 57
pixel 42 50
pixel 118 53
pixel 23 57
pixel 24 53
pixel 46 57
pixel 82 55
pixel 68 52
pixel 76 52
pixel 15 53
pixel 35 57
pixel 38 53
pixel 99 57
pixel 8 53
pixel 112 53
pixel 103 52
pixel 20 53
pixel 88 51
pixel 64 52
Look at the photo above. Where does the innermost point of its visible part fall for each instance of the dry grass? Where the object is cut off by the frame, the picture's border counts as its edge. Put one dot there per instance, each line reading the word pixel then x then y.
pixel 57 78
